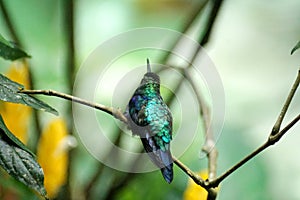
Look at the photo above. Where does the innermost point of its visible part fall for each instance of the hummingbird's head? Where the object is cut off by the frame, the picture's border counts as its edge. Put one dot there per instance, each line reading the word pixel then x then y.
pixel 150 77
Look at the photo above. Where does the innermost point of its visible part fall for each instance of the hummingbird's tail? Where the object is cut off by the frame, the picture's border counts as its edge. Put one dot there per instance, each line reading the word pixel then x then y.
pixel 161 158
pixel 167 161
pixel 167 173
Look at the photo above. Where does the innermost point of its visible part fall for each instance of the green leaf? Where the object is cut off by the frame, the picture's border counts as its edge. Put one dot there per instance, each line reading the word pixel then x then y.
pixel 10 92
pixel 295 47
pixel 9 51
pixel 19 162
pixel 12 137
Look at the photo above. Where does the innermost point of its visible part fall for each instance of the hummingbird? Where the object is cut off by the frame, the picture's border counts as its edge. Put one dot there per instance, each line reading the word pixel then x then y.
pixel 150 118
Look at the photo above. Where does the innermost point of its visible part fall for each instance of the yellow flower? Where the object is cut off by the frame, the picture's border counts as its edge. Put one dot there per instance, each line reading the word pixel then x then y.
pixel 194 191
pixel 52 155
pixel 17 116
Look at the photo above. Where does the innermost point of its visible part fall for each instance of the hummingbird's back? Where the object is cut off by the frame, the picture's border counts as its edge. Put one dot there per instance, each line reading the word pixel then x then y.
pixel 150 118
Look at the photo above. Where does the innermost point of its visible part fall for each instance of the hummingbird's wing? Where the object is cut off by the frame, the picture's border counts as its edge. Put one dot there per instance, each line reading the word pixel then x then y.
pixel 136 108
pixel 152 121
pixel 159 136
pixel 162 159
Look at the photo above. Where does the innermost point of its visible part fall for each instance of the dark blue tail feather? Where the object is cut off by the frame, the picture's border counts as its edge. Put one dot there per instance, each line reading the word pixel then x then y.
pixel 167 173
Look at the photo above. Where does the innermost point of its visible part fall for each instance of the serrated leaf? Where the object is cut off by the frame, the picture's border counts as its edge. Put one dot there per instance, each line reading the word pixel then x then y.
pixel 10 92
pixel 19 162
pixel 295 48
pixel 10 51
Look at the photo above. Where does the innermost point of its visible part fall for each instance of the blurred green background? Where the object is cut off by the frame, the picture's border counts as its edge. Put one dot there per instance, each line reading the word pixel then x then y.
pixel 250 46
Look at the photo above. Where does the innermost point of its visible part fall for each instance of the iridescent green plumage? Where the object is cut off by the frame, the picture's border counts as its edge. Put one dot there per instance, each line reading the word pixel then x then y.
pixel 150 118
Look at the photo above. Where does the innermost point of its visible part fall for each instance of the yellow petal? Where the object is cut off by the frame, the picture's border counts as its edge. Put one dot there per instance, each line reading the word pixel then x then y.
pixel 53 156
pixel 194 191
pixel 17 116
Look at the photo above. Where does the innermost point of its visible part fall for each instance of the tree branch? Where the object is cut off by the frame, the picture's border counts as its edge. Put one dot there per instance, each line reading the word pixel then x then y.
pixel 110 110
pixel 209 145
pixel 272 139
pixel 287 103
pixel 209 185
pixel 197 179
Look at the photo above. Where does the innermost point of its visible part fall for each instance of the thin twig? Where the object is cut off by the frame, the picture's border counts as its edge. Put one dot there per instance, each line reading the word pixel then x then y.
pixel 272 139
pixel 267 144
pixel 275 138
pixel 110 110
pixel 287 103
pixel 114 112
pixel 209 144
pixel 197 179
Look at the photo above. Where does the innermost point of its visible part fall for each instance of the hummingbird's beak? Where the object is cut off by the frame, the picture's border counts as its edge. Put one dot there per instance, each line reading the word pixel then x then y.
pixel 148 65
